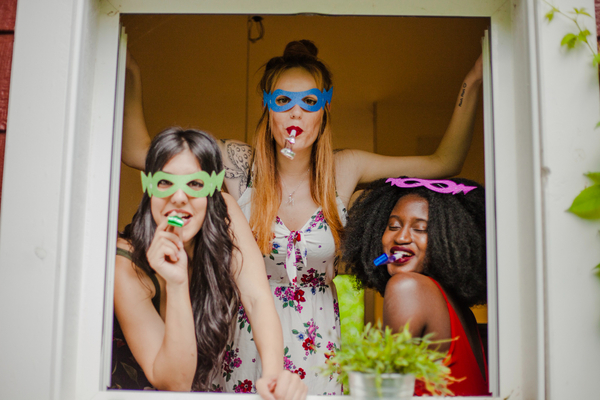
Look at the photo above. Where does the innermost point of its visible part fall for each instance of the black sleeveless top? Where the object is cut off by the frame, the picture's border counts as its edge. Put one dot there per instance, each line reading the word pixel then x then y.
pixel 126 372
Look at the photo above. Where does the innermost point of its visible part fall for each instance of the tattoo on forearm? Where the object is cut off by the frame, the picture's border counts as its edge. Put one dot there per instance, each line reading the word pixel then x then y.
pixel 462 94
pixel 239 155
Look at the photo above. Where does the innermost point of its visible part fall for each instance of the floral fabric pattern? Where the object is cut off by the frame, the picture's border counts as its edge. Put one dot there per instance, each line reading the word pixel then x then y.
pixel 300 269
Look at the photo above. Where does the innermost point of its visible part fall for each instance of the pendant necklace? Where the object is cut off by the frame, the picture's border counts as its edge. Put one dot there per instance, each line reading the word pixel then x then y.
pixel 290 200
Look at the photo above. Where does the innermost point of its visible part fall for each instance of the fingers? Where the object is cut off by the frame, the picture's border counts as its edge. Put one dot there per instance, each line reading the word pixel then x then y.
pixel 265 387
pixel 130 62
pixel 178 230
pixel 477 69
pixel 166 245
pixel 289 386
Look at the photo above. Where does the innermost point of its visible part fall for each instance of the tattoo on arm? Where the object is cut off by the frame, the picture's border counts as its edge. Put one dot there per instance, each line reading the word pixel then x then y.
pixel 462 94
pixel 239 155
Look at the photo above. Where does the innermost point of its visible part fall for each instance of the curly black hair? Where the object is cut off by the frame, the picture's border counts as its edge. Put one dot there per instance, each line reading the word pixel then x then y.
pixel 456 253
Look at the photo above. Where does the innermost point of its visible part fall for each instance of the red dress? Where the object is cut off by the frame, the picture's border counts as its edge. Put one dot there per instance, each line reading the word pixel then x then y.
pixel 463 363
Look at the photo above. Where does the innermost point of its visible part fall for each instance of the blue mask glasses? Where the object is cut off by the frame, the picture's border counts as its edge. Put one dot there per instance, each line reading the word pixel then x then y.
pixel 290 99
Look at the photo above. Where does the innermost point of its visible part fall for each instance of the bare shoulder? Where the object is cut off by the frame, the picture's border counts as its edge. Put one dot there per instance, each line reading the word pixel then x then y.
pixel 236 216
pixel 235 151
pixel 124 244
pixel 345 156
pixel 237 157
pixel 410 285
pixel 128 278
pixel 232 205
pixel 347 172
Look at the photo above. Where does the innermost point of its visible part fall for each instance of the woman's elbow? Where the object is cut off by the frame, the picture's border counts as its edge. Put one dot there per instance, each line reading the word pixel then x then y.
pixel 173 381
pixel 447 168
pixel 453 171
pixel 174 385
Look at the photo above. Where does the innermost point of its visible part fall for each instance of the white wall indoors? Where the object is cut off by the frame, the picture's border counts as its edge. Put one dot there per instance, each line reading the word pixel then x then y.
pixel 53 228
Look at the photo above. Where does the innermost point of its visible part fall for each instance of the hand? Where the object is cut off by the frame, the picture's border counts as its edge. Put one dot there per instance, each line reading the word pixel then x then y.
pixel 131 64
pixel 283 386
pixel 166 254
pixel 476 72
pixel 133 80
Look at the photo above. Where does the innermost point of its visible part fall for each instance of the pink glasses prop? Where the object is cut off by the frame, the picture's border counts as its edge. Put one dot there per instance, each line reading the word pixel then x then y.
pixel 439 185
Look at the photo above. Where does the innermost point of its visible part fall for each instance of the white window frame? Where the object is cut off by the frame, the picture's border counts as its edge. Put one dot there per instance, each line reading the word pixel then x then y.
pixel 55 264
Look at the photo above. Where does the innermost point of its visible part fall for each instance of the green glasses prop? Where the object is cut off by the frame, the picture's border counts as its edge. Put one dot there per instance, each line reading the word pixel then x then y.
pixel 211 183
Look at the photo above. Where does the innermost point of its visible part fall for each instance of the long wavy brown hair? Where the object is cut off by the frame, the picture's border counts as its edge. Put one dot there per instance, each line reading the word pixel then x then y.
pixel 297 54
pixel 214 294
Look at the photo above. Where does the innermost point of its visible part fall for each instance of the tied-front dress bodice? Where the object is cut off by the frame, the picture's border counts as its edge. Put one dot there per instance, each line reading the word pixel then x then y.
pixel 300 269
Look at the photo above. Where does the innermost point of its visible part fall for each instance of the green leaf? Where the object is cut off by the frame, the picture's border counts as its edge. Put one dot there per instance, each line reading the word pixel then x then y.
pixel 569 40
pixel 375 351
pixel 582 37
pixel 594 176
pixel 581 11
pixel 597 125
pixel 587 203
pixel 597 270
pixel 550 15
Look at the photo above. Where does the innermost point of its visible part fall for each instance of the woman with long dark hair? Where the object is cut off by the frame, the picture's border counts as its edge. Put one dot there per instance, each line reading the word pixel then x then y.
pixel 421 244
pixel 184 266
pixel 294 190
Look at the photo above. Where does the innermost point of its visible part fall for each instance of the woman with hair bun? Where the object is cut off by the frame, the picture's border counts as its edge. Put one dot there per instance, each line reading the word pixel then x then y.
pixel 184 266
pixel 430 265
pixel 294 190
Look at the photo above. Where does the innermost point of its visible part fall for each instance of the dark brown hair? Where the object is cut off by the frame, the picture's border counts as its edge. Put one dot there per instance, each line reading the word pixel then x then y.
pixel 213 292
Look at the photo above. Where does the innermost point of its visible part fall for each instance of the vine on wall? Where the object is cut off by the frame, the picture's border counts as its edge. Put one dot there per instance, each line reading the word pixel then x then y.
pixel 587 203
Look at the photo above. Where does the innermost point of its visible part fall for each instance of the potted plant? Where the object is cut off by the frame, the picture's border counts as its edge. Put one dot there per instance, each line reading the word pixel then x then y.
pixel 380 364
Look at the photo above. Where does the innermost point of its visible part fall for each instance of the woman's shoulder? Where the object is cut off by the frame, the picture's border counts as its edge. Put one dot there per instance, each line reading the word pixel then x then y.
pixel 236 215
pixel 412 298
pixel 411 285
pixel 343 156
pixel 125 245
pixel 231 203
pixel 347 172
pixel 235 151
pixel 127 274
pixel 237 157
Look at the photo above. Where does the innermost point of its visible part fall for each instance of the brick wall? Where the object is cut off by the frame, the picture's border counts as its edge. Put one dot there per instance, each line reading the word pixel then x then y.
pixel 8 10
pixel 597 7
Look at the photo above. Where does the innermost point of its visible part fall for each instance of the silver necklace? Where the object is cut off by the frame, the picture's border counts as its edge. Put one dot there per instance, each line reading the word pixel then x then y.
pixel 290 200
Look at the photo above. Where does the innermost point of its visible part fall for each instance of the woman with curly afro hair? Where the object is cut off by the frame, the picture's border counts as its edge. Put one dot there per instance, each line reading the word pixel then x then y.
pixel 433 266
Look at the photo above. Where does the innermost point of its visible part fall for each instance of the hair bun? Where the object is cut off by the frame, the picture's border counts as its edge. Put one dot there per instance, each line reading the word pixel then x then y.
pixel 300 48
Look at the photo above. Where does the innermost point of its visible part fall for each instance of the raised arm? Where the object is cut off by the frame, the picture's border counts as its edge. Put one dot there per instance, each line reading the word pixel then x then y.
pixel 165 349
pixel 136 139
pixel 361 166
pixel 251 278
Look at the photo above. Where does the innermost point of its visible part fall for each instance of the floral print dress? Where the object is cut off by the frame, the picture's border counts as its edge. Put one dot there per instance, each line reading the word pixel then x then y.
pixel 300 269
